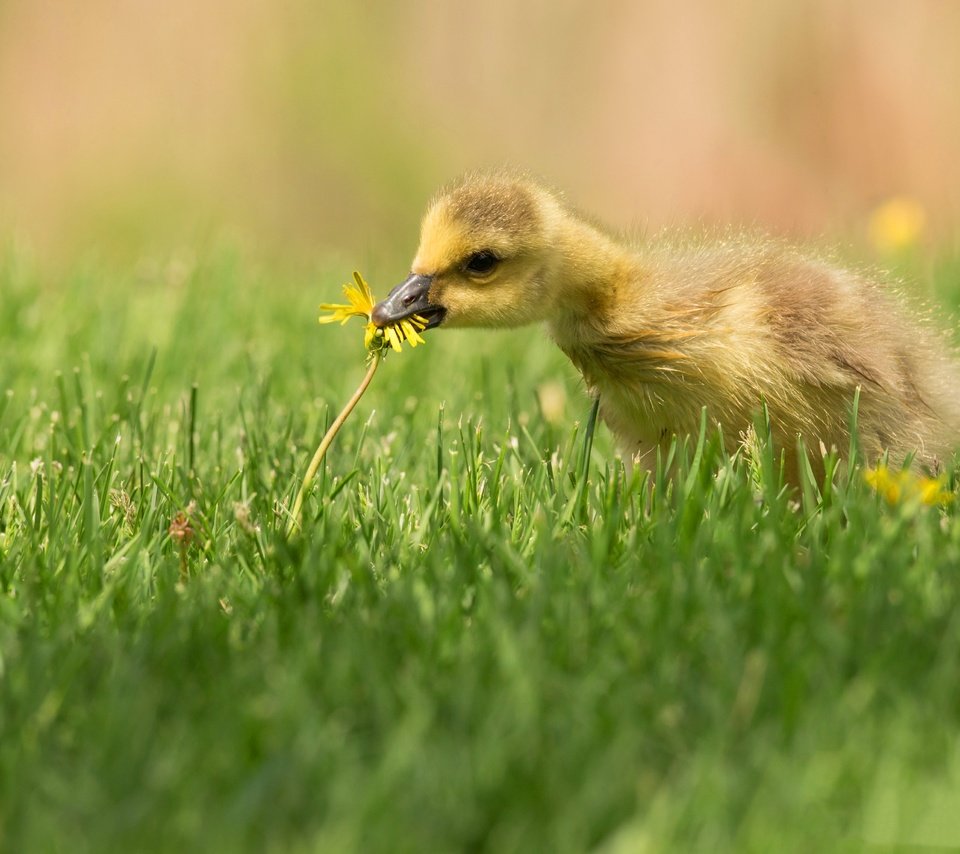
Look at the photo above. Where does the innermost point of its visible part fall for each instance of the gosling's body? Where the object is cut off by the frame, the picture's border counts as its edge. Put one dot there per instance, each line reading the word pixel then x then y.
pixel 661 331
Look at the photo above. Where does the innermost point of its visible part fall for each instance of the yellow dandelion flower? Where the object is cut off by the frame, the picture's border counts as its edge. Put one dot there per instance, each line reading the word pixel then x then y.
pixel 897 224
pixel 897 486
pixel 377 340
pixel 410 330
pixel 360 303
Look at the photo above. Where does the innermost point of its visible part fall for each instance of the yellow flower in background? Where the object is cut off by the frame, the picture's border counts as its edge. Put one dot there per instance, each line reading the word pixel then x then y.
pixel 884 482
pixel 360 303
pixel 897 486
pixel 934 491
pixel 897 224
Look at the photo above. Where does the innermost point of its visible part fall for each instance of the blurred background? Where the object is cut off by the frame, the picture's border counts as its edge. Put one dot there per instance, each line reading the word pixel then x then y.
pixel 304 129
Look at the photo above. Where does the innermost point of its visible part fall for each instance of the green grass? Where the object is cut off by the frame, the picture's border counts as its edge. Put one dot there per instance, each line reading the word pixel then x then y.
pixel 474 646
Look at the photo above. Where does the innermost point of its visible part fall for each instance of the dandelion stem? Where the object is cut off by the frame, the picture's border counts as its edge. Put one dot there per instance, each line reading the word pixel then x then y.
pixel 321 451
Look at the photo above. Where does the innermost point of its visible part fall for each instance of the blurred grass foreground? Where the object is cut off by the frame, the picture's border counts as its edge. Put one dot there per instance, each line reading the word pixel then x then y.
pixel 489 637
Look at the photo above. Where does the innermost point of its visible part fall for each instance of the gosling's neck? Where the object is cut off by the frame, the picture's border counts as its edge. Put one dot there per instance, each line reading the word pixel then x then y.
pixel 589 282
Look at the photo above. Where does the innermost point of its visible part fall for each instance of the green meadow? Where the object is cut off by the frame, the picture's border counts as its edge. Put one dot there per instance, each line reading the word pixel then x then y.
pixel 489 637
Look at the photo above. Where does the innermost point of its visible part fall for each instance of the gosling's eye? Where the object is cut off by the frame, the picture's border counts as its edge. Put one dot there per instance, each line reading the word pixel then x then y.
pixel 481 263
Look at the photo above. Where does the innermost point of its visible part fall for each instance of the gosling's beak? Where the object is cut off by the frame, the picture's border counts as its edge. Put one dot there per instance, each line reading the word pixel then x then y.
pixel 410 297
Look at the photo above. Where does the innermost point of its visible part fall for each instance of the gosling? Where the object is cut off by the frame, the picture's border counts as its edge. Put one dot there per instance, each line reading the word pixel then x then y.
pixel 660 332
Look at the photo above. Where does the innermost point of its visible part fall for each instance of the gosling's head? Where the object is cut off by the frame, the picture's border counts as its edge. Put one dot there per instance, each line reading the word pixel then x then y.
pixel 485 257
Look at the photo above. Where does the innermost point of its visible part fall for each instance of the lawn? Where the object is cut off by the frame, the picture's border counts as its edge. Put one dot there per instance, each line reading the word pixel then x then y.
pixel 488 638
